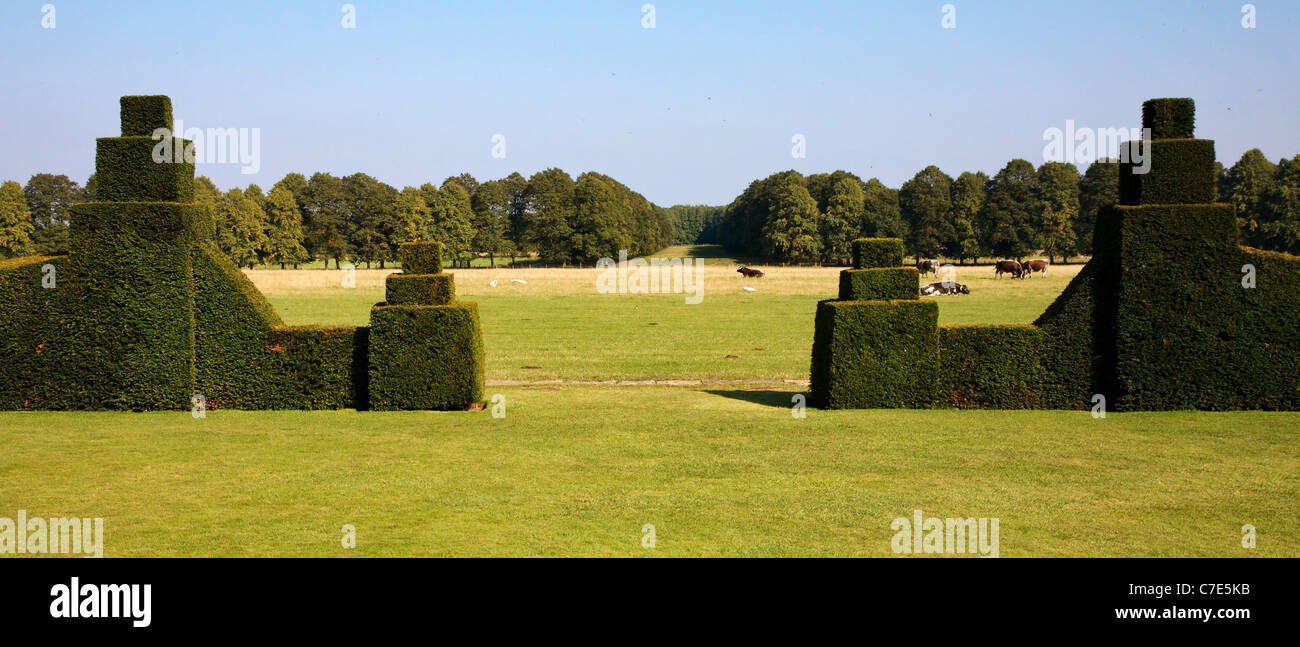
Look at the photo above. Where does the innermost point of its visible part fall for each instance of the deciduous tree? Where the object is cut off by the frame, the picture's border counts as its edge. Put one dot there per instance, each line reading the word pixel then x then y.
pixel 15 222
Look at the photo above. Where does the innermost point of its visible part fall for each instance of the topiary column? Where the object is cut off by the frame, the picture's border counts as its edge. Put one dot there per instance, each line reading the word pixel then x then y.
pixel 1179 330
pixel 130 252
pixel 426 348
pixel 877 345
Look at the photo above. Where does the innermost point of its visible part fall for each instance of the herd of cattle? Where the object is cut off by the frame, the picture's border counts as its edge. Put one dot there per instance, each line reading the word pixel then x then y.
pixel 1016 269
pixel 928 266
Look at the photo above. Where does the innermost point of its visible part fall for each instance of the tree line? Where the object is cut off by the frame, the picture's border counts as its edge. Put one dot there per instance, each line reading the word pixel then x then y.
pixel 786 217
pixel 694 224
pixel 1049 210
pixel 359 219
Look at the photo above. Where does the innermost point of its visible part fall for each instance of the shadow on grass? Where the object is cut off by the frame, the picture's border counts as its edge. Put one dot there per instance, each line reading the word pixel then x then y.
pixel 781 399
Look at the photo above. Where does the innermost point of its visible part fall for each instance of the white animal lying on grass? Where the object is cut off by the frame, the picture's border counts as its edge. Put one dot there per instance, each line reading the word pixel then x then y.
pixel 492 283
pixel 518 281
pixel 747 289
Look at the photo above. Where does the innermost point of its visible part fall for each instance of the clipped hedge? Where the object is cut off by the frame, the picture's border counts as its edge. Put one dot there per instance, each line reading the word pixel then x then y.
pixel 870 253
pixel 992 367
pixel 131 268
pixel 142 114
pixel 125 172
pixel 420 289
pixel 1181 172
pixel 147 311
pixel 1188 334
pixel 421 257
pixel 875 354
pixel 246 358
pixel 39 366
pixel 1169 118
pixel 879 284
pixel 425 357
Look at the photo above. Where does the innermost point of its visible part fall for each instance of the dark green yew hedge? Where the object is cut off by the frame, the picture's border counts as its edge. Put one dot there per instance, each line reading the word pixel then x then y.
pixel 39 368
pixel 142 114
pixel 125 172
pixel 1169 118
pixel 420 289
pixel 425 357
pixel 421 257
pixel 1181 171
pixel 246 359
pixel 877 252
pixel 880 284
pixel 146 311
pixel 992 367
pixel 1189 335
pixel 875 354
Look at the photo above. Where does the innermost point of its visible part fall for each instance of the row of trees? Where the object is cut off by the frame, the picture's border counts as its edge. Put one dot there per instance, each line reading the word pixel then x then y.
pixel 694 224
pixel 786 217
pixel 1048 210
pixel 360 219
pixel 1266 197
pixel 34 217
pixel 791 218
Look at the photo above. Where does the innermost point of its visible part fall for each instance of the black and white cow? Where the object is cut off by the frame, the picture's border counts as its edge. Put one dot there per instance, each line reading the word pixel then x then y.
pixel 944 287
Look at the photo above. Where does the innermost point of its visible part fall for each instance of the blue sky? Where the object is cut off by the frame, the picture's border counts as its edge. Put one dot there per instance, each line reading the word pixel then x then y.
pixel 688 112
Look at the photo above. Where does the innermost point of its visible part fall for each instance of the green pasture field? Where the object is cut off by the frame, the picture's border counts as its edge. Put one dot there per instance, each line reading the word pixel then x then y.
pixel 558 323
pixel 717 469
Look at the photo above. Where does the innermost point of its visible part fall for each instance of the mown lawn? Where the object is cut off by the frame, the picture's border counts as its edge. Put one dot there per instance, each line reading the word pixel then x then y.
pixel 580 470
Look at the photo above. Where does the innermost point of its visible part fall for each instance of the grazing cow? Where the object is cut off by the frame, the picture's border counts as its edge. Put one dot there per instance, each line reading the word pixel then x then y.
pixel 750 274
pixel 944 287
pixel 1011 267
pixel 927 266
pixel 1036 265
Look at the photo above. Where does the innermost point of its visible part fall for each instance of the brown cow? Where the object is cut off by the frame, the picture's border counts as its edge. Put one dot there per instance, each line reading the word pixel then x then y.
pixel 750 273
pixel 1036 265
pixel 1007 266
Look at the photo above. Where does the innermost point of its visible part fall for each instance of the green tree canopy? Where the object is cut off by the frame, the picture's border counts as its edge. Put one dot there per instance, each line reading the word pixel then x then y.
pixel 284 233
pixel 453 221
pixel 842 219
pixel 967 200
pixel 370 207
pixel 547 207
pixel 1098 189
pixel 48 199
pixel 325 225
pixel 1279 223
pixel 1010 205
pixel 791 232
pixel 15 222
pixel 1246 183
pixel 881 216
pixel 241 228
pixel 1058 199
pixel 926 204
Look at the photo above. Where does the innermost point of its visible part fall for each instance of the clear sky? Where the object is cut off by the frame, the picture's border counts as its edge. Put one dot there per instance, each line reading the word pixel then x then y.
pixel 690 111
